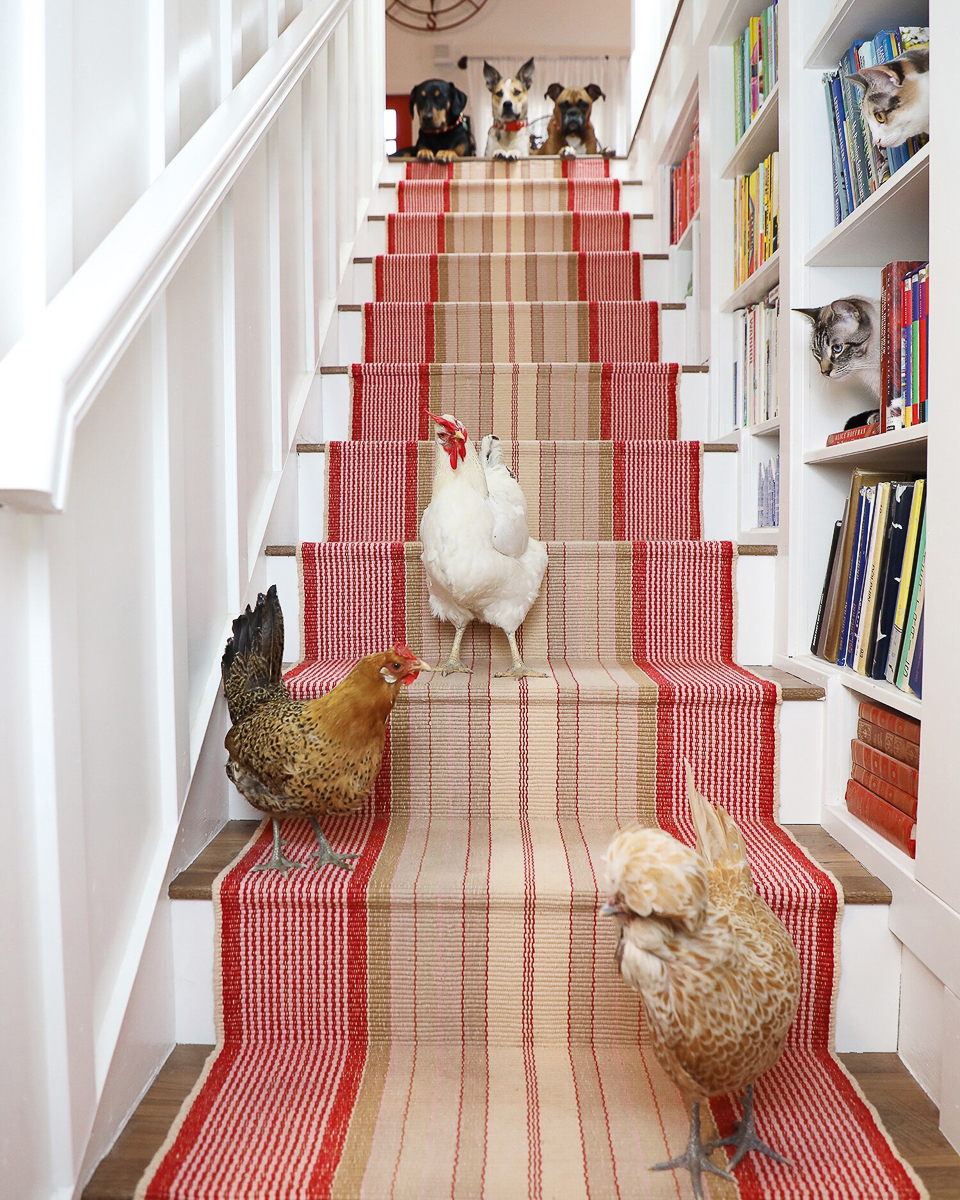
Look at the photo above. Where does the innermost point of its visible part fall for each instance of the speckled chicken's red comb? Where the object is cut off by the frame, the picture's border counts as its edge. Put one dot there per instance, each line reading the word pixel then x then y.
pixel 402 651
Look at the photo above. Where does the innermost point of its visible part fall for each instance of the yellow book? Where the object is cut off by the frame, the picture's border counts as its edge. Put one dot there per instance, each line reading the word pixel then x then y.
pixel 906 579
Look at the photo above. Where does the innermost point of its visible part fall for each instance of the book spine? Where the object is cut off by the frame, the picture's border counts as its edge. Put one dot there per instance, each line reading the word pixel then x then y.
pixel 831 559
pixel 916 670
pixel 882 739
pixel 906 579
pixel 915 347
pixel 906 362
pixel 838 116
pixel 894 722
pixel 877 763
pixel 871 578
pixel 851 579
pixel 886 791
pixel 849 658
pixel 913 616
pixel 922 346
pixel 886 390
pixel 886 820
pixel 852 435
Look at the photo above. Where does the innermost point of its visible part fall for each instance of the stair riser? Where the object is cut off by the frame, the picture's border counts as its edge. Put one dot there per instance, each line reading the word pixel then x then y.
pixel 867 1003
pixel 673 336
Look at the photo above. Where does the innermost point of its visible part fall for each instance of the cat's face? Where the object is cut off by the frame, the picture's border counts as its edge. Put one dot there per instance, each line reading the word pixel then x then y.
pixel 896 97
pixel 844 336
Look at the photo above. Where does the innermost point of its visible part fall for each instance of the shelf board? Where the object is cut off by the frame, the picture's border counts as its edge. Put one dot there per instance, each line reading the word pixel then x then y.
pixel 685 237
pixel 892 224
pixel 765 428
pixel 896 448
pixel 768 535
pixel 880 857
pixel 853 20
pixel 760 138
pixel 756 287
pixel 873 689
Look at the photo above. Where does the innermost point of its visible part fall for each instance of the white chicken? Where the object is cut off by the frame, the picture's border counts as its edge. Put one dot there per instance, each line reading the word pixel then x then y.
pixel 480 561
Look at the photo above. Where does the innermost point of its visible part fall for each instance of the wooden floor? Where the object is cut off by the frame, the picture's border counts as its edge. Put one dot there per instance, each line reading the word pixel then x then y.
pixel 909 1115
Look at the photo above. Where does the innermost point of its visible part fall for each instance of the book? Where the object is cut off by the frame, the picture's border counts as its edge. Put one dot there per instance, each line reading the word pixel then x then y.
pixel 915 678
pixel 891 337
pixel 901 497
pixel 903 726
pixel 882 739
pixel 905 582
pixel 848 634
pixel 833 589
pixel 905 778
pixel 911 628
pixel 886 791
pixel 852 435
pixel 889 822
pixel 831 562
pixel 871 583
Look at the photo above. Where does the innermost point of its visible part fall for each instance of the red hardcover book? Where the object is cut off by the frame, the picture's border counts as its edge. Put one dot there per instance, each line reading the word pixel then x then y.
pixel 906 727
pixel 882 739
pixel 924 277
pixel 886 392
pixel 877 763
pixel 890 333
pixel 852 435
pixel 886 791
pixel 888 821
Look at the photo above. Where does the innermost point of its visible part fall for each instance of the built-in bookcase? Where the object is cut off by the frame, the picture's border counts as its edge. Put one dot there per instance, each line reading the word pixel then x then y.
pixel 912 216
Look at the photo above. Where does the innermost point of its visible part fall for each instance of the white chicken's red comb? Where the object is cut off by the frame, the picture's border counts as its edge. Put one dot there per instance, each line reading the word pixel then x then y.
pixel 451 424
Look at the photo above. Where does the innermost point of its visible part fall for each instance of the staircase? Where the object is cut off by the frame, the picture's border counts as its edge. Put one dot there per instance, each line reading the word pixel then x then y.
pixel 454 1021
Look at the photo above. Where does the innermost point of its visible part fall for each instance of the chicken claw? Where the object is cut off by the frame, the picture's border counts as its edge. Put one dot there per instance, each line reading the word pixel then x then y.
pixel 278 861
pixel 745 1139
pixel 453 663
pixel 518 670
pixel 326 854
pixel 694 1158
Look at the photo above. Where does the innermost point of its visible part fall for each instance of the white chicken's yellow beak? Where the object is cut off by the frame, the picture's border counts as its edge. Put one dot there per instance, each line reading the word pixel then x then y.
pixel 460 436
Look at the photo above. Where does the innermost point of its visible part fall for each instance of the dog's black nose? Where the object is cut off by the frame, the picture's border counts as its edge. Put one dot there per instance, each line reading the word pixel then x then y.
pixel 507 108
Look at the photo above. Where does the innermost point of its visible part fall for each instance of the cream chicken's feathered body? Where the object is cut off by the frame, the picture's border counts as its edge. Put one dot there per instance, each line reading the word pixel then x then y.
pixel 717 972
pixel 480 561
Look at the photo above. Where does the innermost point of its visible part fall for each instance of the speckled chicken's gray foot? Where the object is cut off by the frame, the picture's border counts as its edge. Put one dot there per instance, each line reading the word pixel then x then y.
pixel 745 1139
pixel 278 861
pixel 326 855
pixel 695 1157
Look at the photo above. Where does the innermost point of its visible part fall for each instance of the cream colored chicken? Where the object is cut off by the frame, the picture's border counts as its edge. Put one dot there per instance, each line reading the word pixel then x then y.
pixel 717 972
pixel 480 561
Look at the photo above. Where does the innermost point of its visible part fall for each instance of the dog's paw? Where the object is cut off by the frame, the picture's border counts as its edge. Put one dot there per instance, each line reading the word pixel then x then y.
pixel 608 152
pixel 446 156
pixel 568 152
pixel 507 155
pixel 425 155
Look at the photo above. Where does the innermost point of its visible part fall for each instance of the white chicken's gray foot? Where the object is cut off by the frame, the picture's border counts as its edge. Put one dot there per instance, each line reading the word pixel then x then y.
pixel 453 663
pixel 745 1139
pixel 326 855
pixel 278 861
pixel 518 670
pixel 695 1157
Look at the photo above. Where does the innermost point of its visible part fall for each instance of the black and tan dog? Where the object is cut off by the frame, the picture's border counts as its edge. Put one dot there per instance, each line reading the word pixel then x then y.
pixel 444 127
pixel 570 131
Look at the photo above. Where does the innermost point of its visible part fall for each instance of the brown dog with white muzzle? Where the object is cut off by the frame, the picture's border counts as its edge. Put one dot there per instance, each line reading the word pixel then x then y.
pixel 570 131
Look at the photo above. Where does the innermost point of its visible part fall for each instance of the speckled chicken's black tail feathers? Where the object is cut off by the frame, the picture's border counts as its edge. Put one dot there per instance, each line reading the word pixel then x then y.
pixel 252 664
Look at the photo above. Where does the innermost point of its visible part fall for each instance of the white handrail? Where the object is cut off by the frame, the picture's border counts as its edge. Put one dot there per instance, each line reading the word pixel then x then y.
pixel 50 377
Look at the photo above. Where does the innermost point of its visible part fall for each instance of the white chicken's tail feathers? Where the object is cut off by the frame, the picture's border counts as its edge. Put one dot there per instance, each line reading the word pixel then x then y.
pixel 719 841
pixel 491 454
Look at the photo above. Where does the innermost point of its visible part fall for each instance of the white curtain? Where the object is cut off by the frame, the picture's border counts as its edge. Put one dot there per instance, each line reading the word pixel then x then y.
pixel 609 116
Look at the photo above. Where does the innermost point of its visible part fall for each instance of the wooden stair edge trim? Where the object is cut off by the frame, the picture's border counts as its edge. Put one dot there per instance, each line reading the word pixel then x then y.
pixel 281 551
pixel 368 259
pixel 664 306
pixel 859 887
pixel 394 183
pixel 708 447
pixel 910 1116
pixel 685 368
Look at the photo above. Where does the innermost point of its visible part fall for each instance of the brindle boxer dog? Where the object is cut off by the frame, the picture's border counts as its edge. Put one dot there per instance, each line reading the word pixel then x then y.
pixel 570 131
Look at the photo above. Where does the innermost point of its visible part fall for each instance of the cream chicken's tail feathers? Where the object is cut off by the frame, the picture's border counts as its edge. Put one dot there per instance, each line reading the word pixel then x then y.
pixel 719 841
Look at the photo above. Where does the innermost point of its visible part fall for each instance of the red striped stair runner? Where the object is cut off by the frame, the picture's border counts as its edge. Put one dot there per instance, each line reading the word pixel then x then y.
pixel 506 233
pixel 495 196
pixel 447 1020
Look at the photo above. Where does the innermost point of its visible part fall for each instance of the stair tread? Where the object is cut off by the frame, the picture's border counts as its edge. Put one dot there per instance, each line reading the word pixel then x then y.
pixel 909 1114
pixel 858 885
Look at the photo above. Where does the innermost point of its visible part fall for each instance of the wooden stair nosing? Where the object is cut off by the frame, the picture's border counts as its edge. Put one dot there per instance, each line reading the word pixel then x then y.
pixel 635 216
pixel 666 306
pixel 623 182
pixel 707 447
pixel 685 369
pixel 750 551
pixel 368 259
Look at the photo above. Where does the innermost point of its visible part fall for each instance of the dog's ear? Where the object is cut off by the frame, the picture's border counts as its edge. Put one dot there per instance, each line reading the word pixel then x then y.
pixel 525 74
pixel 413 96
pixel 491 75
pixel 553 92
pixel 459 101
pixel 595 93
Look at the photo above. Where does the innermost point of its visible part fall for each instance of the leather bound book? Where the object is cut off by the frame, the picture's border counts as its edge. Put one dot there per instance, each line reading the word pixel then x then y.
pixel 888 821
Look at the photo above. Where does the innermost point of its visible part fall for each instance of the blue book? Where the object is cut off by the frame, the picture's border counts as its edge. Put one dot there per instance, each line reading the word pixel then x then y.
pixel 862 568
pixel 839 200
pixel 901 497
pixel 916 669
pixel 839 116
pixel 851 579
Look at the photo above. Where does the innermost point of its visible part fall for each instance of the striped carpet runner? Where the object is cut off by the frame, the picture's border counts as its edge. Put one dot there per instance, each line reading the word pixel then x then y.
pixel 508 196
pixel 506 233
pixel 447 1020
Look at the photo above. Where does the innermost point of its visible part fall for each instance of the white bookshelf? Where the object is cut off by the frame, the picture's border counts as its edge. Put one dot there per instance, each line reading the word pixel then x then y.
pixel 755 286
pixel 760 138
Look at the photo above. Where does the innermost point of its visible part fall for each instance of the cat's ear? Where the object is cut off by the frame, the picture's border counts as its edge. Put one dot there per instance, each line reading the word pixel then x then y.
pixel 847 308
pixel 877 79
pixel 812 313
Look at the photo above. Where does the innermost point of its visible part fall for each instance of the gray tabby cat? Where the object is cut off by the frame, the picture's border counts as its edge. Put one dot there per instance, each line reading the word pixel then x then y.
pixel 896 99
pixel 846 340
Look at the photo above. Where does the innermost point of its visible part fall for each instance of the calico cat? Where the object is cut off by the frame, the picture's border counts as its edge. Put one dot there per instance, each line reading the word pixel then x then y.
pixel 846 340
pixel 896 97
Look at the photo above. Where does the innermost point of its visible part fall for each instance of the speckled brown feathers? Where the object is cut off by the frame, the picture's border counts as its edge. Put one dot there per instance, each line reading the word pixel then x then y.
pixel 717 972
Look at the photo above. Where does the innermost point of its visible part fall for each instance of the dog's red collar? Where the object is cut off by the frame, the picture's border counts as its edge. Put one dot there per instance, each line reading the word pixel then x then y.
pixel 445 129
pixel 511 126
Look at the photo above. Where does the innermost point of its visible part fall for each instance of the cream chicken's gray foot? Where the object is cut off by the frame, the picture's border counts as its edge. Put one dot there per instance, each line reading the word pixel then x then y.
pixel 745 1139
pixel 696 1156
pixel 326 855
pixel 278 861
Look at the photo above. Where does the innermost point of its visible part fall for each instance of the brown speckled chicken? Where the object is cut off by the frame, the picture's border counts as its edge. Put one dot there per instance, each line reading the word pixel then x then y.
pixel 305 757
pixel 717 972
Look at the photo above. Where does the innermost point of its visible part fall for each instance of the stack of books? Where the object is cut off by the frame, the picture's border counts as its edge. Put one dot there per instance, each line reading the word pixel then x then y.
pixel 755 362
pixel 685 186
pixel 884 774
pixel 768 494
pixel 871 608
pixel 860 167
pixel 904 341
pixel 756 202
pixel 755 57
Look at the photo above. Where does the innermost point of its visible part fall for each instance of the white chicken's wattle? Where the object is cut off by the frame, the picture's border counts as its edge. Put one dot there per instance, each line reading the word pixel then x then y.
pixel 480 561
